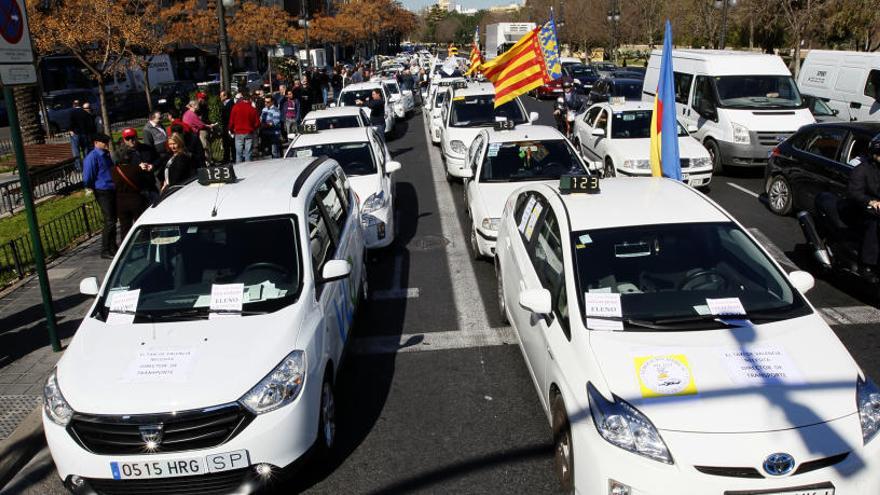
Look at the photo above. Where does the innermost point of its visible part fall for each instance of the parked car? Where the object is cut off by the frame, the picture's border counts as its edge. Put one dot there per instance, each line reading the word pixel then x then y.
pixel 605 89
pixel 250 80
pixel 628 74
pixel 604 69
pixel 814 160
pixel 820 110
pixel 170 91
pixel 584 74
pixel 59 106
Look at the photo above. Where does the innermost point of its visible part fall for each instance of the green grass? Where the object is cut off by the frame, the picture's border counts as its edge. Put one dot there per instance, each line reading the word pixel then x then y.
pixel 16 225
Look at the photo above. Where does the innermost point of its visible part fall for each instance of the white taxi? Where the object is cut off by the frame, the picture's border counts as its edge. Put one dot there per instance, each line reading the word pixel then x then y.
pixel 502 160
pixel 618 136
pixel 338 118
pixel 401 101
pixel 672 354
pixel 469 109
pixel 351 94
pixel 368 166
pixel 210 353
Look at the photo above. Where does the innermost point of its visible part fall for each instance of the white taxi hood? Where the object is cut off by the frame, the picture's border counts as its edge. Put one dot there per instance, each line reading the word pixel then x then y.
pixel 365 185
pixel 464 134
pixel 771 120
pixel 713 371
pixel 228 356
pixel 493 195
pixel 640 149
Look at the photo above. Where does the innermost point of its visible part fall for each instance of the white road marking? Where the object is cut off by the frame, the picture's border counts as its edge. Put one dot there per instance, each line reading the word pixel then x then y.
pixel 743 189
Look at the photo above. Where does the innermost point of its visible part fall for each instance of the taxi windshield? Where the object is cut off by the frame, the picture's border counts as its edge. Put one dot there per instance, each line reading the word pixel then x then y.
pixel 635 124
pixel 670 272
pixel 474 111
pixel 529 160
pixel 758 92
pixel 176 267
pixel 354 158
pixel 392 88
pixel 350 98
pixel 340 122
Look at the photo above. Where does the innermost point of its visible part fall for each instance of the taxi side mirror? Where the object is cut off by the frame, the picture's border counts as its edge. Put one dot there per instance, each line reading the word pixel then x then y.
pixel 801 280
pixel 333 105
pixel 538 301
pixel 292 135
pixel 435 113
pixel 335 270
pixel 598 132
pixel 88 286
pixel 692 128
pixel 392 167
pixel 467 173
pixel 533 117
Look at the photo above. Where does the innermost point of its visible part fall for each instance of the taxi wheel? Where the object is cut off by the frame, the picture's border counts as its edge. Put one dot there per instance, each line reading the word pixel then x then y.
pixel 779 195
pixel 475 247
pixel 499 287
pixel 609 169
pixel 327 426
pixel 562 446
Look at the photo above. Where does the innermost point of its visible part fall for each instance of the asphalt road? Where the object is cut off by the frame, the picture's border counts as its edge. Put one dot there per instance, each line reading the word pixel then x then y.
pixel 434 397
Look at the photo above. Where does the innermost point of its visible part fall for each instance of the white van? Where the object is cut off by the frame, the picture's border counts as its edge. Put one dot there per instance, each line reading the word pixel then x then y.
pixel 741 104
pixel 848 82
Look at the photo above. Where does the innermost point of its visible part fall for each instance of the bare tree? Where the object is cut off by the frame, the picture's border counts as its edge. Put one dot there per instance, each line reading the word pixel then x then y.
pixel 800 16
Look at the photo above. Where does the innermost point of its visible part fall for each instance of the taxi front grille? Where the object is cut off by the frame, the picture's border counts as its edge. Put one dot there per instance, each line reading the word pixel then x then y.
pixel 750 472
pixel 167 432
pixel 207 484
pixel 772 138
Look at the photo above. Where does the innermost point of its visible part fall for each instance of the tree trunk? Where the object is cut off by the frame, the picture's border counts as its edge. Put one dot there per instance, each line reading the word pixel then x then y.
pixel 147 87
pixel 797 57
pixel 27 102
pixel 102 97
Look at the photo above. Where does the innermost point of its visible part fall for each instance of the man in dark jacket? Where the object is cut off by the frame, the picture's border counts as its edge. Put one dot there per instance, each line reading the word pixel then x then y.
pixel 376 104
pixel 226 109
pixel 864 189
pixel 82 131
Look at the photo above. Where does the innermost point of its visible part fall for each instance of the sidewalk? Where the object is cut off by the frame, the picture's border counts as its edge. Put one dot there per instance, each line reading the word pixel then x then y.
pixel 26 358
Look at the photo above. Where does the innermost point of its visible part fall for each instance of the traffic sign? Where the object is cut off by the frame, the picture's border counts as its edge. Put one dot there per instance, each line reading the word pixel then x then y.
pixel 16 49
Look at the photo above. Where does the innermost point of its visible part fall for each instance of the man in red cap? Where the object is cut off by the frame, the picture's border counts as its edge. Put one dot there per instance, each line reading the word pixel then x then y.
pixel 144 156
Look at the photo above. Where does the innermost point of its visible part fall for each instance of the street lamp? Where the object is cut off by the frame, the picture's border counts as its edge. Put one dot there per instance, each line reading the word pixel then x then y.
pixel 724 5
pixel 304 23
pixel 613 18
pixel 222 5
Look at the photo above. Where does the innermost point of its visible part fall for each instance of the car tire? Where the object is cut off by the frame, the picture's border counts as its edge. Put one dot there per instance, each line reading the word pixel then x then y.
pixel 450 179
pixel 715 154
pixel 499 290
pixel 475 246
pixel 563 450
pixel 327 415
pixel 779 195
pixel 608 171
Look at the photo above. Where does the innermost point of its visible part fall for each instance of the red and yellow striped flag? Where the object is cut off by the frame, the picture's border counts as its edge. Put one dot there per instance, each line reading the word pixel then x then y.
pixel 476 56
pixel 518 70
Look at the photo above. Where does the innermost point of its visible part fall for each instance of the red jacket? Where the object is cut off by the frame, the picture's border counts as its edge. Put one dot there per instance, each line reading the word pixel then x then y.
pixel 243 119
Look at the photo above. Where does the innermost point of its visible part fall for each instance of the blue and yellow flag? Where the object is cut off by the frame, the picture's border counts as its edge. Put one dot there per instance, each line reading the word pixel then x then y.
pixel 550 47
pixel 664 126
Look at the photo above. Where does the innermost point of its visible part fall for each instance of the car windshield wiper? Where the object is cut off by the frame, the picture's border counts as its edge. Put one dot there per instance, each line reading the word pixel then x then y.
pixel 732 321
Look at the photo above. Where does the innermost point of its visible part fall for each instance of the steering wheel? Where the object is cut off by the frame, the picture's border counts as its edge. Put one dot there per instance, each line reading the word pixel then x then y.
pixel 265 265
pixel 710 277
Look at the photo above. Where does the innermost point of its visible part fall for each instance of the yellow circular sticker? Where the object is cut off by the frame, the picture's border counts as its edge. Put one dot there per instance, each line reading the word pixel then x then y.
pixel 665 375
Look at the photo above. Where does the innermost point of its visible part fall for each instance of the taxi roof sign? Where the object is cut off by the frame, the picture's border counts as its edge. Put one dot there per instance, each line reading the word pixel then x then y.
pixel 617 100
pixel 307 128
pixel 504 125
pixel 220 174
pixel 571 184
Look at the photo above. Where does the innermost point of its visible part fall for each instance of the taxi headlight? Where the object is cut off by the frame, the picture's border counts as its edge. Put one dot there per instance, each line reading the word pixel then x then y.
pixel 740 133
pixel 868 400
pixel 637 164
pixel 280 387
pixel 57 409
pixel 491 224
pixel 458 147
pixel 703 161
pixel 624 426
pixel 375 201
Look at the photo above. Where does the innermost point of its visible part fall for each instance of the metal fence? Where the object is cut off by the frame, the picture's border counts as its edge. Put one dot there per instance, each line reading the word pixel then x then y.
pixel 43 183
pixel 17 255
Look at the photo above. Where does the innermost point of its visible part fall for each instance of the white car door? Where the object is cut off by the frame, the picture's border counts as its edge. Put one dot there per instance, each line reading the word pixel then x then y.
pixel 597 143
pixel 520 276
pixel 470 184
pixel 383 156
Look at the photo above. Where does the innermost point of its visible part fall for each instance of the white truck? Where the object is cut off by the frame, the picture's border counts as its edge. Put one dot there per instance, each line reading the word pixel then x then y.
pixel 849 82
pixel 501 36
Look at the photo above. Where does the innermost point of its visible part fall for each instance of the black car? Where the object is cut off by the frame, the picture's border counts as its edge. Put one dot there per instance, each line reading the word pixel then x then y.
pixel 814 160
pixel 628 74
pixel 173 90
pixel 584 74
pixel 605 89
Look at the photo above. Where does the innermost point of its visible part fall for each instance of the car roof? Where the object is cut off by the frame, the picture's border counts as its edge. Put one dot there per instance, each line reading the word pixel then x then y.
pixel 623 80
pixel 632 201
pixel 362 86
pixel 342 135
pixel 628 105
pixel 865 127
pixel 332 112
pixel 476 89
pixel 525 132
pixel 262 189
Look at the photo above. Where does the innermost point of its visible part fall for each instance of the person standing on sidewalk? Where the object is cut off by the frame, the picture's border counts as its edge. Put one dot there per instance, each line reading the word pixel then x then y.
pixel 135 184
pixel 243 123
pixel 154 135
pixel 376 104
pixel 194 121
pixel 82 129
pixel 98 177
pixel 226 104
pixel 290 113
pixel 270 123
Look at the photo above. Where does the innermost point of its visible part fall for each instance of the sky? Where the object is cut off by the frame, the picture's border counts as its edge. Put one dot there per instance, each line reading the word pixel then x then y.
pixel 415 5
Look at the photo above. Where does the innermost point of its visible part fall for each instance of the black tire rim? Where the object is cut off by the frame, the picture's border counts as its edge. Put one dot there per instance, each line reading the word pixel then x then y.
pixel 609 169
pixel 328 415
pixel 779 194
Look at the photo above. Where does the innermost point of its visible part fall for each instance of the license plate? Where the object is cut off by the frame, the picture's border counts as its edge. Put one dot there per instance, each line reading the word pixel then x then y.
pixel 820 489
pixel 170 468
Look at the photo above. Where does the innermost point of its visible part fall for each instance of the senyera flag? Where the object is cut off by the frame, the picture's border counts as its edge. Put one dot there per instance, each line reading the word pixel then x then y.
pixel 532 62
pixel 664 126
pixel 476 57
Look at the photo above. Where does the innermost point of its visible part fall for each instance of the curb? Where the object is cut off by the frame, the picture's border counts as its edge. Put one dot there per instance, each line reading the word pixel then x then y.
pixel 61 258
pixel 20 447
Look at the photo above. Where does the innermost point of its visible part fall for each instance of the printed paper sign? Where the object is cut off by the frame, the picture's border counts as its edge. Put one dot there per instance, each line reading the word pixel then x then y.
pixel 726 306
pixel 665 376
pixel 152 365
pixel 227 298
pixel 533 219
pixel 123 305
pixel 526 214
pixel 603 305
pixel 760 366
